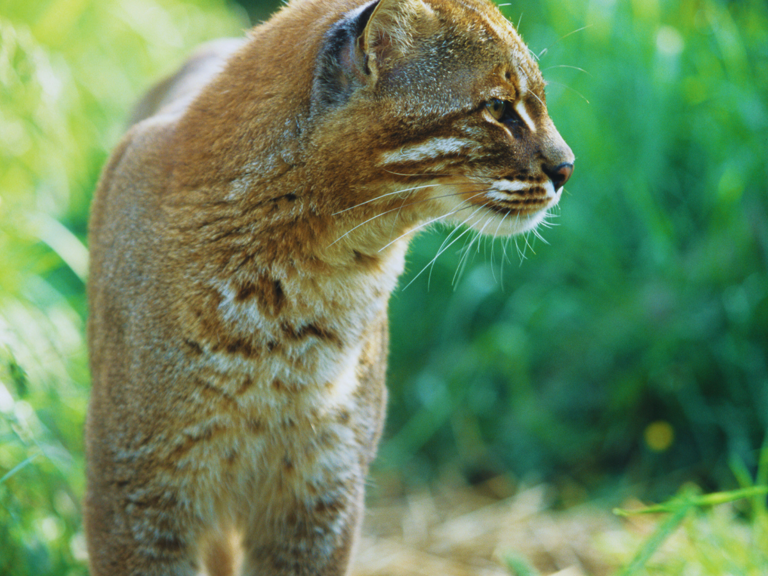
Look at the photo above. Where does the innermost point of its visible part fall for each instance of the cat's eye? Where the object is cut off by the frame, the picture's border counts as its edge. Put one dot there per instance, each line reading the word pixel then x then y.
pixel 497 108
pixel 502 111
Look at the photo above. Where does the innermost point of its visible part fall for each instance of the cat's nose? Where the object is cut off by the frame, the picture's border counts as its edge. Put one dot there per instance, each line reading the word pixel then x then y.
pixel 559 174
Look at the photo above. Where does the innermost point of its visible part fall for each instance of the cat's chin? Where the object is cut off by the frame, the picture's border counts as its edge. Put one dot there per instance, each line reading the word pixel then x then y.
pixel 499 222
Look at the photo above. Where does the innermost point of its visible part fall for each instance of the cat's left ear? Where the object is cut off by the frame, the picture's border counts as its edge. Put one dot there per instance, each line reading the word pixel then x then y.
pixel 364 44
pixel 341 63
pixel 392 30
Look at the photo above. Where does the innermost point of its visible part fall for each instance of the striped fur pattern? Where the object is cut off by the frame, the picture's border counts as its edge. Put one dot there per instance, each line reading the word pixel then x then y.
pixel 246 235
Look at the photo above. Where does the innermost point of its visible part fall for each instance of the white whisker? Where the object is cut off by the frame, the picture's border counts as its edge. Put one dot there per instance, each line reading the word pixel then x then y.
pixel 566 66
pixel 440 251
pixel 465 257
pixel 493 246
pixel 385 195
pixel 525 239
pixel 539 236
pixel 504 246
pixel 520 253
pixel 562 38
pixel 488 221
pixel 428 222
pixel 390 211
pixel 572 89
pixel 546 222
pixel 537 98
pixel 403 205
pixel 348 232
pixel 449 245
pixel 464 260
pixel 430 174
pixel 394 220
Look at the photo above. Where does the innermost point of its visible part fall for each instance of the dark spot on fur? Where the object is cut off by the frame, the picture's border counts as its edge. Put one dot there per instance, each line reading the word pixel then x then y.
pixel 367 260
pixel 210 393
pixel 245 291
pixel 278 386
pixel 239 346
pixel 267 290
pixel 277 297
pixel 169 544
pixel 343 417
pixel 245 385
pixel 313 330
pixel 193 347
pixel 324 508
pixel 255 425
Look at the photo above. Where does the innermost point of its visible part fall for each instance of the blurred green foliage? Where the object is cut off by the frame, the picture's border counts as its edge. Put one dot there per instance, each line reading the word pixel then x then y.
pixel 69 72
pixel 650 303
pixel 633 347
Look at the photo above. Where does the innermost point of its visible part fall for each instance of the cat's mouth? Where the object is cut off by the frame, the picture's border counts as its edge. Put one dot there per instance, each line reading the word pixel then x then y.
pixel 499 207
pixel 524 194
pixel 513 206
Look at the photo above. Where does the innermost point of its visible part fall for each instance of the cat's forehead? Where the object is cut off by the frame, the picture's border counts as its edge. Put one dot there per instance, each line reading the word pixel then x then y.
pixel 490 40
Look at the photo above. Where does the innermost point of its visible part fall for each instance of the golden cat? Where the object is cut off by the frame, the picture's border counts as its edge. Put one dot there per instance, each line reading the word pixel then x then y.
pixel 246 236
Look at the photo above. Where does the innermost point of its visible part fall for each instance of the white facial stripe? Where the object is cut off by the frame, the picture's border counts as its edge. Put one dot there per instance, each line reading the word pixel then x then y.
pixel 429 150
pixel 523 113
pixel 496 195
pixel 510 185
pixel 501 189
pixel 523 79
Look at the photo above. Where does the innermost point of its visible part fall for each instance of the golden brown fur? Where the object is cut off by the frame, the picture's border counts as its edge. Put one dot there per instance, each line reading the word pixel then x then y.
pixel 245 237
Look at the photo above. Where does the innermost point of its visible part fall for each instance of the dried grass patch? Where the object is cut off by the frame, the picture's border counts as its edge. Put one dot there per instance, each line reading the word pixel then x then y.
pixel 464 531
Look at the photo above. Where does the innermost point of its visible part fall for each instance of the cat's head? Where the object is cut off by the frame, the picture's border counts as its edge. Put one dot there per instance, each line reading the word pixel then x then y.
pixel 455 114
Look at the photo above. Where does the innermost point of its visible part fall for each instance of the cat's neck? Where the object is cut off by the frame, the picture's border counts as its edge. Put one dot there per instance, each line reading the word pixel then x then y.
pixel 276 275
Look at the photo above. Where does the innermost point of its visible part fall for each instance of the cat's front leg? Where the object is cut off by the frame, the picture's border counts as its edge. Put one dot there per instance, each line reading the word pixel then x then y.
pixel 310 531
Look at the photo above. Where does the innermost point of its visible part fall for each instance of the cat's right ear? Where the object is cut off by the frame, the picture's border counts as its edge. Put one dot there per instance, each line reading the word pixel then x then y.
pixel 391 31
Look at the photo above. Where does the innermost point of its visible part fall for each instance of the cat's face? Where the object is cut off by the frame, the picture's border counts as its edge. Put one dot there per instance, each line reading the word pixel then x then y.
pixel 460 109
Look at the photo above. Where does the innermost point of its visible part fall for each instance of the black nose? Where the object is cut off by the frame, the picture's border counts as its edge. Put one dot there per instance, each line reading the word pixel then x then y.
pixel 560 174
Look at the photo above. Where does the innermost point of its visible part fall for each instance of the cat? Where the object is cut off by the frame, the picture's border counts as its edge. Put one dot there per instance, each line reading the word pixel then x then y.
pixel 245 237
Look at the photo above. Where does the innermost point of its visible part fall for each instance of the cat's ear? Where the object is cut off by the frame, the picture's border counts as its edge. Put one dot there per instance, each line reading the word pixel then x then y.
pixel 391 31
pixel 340 67
pixel 364 43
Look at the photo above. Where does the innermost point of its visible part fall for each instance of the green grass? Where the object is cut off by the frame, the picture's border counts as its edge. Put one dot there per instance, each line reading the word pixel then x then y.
pixel 70 71
pixel 707 541
pixel 629 352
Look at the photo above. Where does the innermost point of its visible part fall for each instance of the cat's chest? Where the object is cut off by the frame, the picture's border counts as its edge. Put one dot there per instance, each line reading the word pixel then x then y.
pixel 282 368
pixel 284 343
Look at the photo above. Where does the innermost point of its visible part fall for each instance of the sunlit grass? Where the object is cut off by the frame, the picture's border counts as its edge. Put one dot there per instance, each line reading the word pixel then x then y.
pixel 69 73
pixel 700 534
